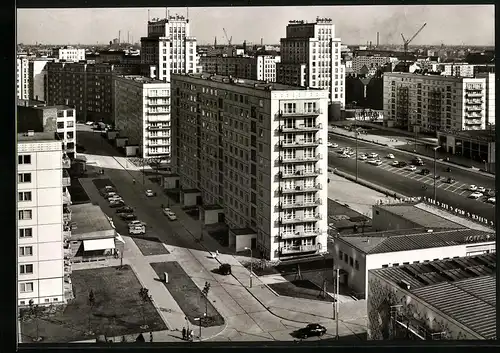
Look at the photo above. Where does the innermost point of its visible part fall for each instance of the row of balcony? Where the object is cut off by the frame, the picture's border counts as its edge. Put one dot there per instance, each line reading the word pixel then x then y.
pixel 299 127
pixel 298 189
pixel 159 127
pixel 303 158
pixel 473 109
pixel 473 122
pixel 298 113
pixel 473 101
pixel 66 180
pixel 473 95
pixel 301 143
pixel 297 204
pixel 299 219
pixel 300 173
pixel 66 163
pixel 294 249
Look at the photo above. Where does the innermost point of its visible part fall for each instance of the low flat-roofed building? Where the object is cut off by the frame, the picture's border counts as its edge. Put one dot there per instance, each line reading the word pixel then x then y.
pixel 452 299
pixel 357 254
pixel 92 234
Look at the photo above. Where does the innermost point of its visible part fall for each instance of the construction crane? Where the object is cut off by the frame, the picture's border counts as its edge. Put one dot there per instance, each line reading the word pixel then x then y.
pixel 406 42
pixel 229 40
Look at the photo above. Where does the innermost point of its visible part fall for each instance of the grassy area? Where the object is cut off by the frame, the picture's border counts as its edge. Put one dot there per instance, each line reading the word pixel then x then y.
pixel 302 288
pixel 150 246
pixel 77 192
pixel 187 295
pixel 117 310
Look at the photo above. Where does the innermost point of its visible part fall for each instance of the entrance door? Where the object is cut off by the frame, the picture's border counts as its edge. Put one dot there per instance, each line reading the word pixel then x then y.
pixel 221 217
pixel 177 184
pixel 253 243
pixel 198 200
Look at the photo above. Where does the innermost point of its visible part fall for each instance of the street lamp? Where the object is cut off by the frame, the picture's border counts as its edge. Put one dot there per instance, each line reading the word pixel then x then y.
pixel 435 157
pixel 251 264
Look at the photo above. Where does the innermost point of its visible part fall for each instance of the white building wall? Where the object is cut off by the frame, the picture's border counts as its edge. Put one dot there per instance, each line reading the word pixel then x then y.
pixel 70 54
pixel 37 78
pixel 490 96
pixel 23 78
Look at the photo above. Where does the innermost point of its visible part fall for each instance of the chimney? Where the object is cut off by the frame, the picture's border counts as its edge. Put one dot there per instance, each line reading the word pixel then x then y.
pixel 66 101
pixel 31 132
pixel 378 37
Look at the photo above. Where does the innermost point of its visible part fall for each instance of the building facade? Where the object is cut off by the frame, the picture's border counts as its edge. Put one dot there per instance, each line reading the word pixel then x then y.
pixel 313 45
pixel 68 53
pixel 490 95
pixel 432 102
pixel 41 210
pixel 258 151
pixel 371 62
pixel 260 67
pixel 37 71
pixel 142 113
pixel 458 70
pixel 23 82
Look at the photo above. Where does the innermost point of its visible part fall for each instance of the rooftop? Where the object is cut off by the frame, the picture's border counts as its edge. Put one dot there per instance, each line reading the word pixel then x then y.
pixel 260 85
pixel 36 137
pixel 89 219
pixel 415 239
pixel 140 79
pixel 421 217
pixel 243 231
pixel 462 288
pixel 58 107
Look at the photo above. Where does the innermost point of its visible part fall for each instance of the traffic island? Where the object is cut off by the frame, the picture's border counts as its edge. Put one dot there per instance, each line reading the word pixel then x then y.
pixel 117 310
pixel 187 295
pixel 150 246
pixel 301 288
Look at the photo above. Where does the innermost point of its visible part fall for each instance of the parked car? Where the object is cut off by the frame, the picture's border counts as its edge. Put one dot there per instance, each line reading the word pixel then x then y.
pixel 150 193
pixel 110 195
pixel 89 123
pixel 390 156
pixel 329 144
pixel 481 189
pixel 448 170
pixel 395 164
pixel 138 229
pixel 412 168
pixel 402 164
pixel 128 216
pixel 491 200
pixel 137 223
pixel 425 171
pixel 166 210
pixel 225 269
pixel 362 157
pixel 344 155
pixel 472 187
pixel 125 209
pixel 335 145
pixel 117 203
pixel 417 161
pixel 311 330
pixel 475 195
pixel 437 177
pixel 115 199
pixel 373 155
pixel 106 190
pixel 490 192
pixel 172 216
pixel 450 180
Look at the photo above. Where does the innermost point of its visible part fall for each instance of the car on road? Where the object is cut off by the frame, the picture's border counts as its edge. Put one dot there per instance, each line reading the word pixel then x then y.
pixel 137 223
pixel 412 168
pixel 425 171
pixel 128 216
pixel 395 164
pixel 125 209
pixel 171 215
pixel 150 193
pixel 362 157
pixel 89 123
pixel 450 180
pixel 390 156
pixel 491 200
pixel 225 269
pixel 475 195
pixel 138 229
pixel 329 144
pixel 166 210
pixel 311 330
pixel 417 161
pixel 481 189
pixel 472 187
pixel 334 145
pixel 448 170
pixel 373 155
pixel 118 203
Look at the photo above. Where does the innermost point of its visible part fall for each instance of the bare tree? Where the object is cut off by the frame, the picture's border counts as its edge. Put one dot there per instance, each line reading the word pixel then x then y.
pixel 35 312
pixel 91 302
pixel 145 298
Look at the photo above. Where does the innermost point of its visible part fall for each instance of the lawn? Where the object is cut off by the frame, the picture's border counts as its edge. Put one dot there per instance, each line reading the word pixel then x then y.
pixel 150 246
pixel 301 288
pixel 117 310
pixel 77 192
pixel 101 183
pixel 187 295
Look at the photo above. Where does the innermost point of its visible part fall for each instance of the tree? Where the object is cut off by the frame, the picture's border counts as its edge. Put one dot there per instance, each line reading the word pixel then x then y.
pixel 145 298
pixel 91 302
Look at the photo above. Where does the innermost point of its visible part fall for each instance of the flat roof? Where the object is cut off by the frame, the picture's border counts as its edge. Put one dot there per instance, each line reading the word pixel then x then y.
pixel 462 288
pixel 243 231
pixel 419 216
pixel 415 239
pixel 488 134
pixel 37 136
pixel 89 219
pixel 212 207
pixel 190 191
pixel 58 106
pixel 239 82
pixel 140 79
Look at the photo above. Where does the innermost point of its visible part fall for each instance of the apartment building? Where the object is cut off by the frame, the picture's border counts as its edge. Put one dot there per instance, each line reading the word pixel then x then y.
pixel 37 71
pixel 458 69
pixel 310 55
pixel 22 78
pixel 490 95
pixel 58 119
pixel 42 208
pixel 259 67
pixel 169 47
pixel 87 87
pixel 431 103
pixel 69 53
pixel 371 62
pixel 257 151
pixel 142 113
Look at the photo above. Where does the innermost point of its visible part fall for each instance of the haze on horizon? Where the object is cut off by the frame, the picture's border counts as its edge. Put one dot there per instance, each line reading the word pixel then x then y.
pixel 446 24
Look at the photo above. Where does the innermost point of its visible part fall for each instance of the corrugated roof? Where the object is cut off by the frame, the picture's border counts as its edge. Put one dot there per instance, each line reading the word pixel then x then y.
pixel 419 216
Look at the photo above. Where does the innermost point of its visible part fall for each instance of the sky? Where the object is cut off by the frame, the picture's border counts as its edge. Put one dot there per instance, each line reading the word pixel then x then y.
pixel 447 24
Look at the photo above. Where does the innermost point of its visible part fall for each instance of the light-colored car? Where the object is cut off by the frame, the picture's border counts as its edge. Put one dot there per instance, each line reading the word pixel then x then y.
pixel 362 157
pixel 166 210
pixel 110 195
pixel 378 162
pixel 150 193
pixel 344 155
pixel 492 200
pixel 390 156
pixel 115 199
pixel 395 163
pixel 472 187
pixel 89 123
pixel 136 223
pixel 171 216
pixel 335 145
pixel 475 195
pixel 481 189
pixel 412 168
pixel 138 229
pixel 373 155
pixel 329 144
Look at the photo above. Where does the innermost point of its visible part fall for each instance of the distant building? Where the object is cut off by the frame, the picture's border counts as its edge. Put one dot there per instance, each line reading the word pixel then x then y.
pixel 68 53
pixel 446 299
pixel 37 71
pixel 371 62
pixel 23 82
pixel 458 70
pixel 142 114
pixel 310 56
pixel 260 168
pixel 260 67
pixel 432 103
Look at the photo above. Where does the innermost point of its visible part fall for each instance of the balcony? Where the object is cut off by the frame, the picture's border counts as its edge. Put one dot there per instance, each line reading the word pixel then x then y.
pixel 158 144
pixel 300 173
pixel 66 214
pixel 299 204
pixel 158 103
pixel 300 143
pixel 299 189
pixel 299 219
pixel 66 180
pixel 159 153
pixel 303 234
pixel 158 128
pixel 300 113
pixel 299 159
pixel 300 249
pixel 66 163
pixel 473 95
pixel 475 101
pixel 152 112
pixel 66 198
pixel 299 128
pixel 473 109
pixel 473 122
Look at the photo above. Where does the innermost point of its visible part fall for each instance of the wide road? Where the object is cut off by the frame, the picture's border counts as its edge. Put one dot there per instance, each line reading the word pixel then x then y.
pixel 410 182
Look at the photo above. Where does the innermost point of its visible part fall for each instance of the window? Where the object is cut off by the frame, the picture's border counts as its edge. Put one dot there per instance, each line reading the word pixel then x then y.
pixel 24 178
pixel 356 265
pixel 60 124
pixel 351 261
pixel 25 214
pixel 26 287
pixel 25 251
pixel 385 266
pixel 26 233
pixel 346 258
pixel 395 264
pixel 24 159
pixel 26 269
pixel 24 196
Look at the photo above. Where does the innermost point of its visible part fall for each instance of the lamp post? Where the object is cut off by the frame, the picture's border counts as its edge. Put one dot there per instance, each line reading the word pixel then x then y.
pixel 356 134
pixel 337 279
pixel 251 264
pixel 435 157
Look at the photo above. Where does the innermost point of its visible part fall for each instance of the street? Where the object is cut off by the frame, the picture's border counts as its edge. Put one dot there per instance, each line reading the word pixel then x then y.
pixel 410 182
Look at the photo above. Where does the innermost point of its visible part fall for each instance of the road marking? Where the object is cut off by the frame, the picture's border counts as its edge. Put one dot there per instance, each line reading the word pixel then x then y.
pixel 449 186
pixel 463 192
pixel 420 177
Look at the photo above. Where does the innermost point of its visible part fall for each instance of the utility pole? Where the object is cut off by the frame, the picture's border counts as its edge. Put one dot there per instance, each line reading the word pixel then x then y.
pixel 435 156
pixel 337 304
pixel 356 134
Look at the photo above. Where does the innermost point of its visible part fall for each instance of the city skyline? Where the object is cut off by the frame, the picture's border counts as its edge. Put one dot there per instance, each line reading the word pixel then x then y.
pixel 92 26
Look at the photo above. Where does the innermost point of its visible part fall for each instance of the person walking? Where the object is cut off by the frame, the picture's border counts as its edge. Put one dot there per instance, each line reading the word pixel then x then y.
pixel 191 335
pixel 184 333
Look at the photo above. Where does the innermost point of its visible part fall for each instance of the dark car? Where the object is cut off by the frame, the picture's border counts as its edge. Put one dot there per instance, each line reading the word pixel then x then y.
pixel 425 171
pixel 311 330
pixel 114 204
pixel 128 216
pixel 450 180
pixel 437 177
pixel 125 209
pixel 225 269
pixel 417 161
pixel 402 164
pixel 448 170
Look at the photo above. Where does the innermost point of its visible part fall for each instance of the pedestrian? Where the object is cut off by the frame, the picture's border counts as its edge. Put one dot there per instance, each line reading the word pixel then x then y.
pixel 133 181
pixel 191 335
pixel 184 333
